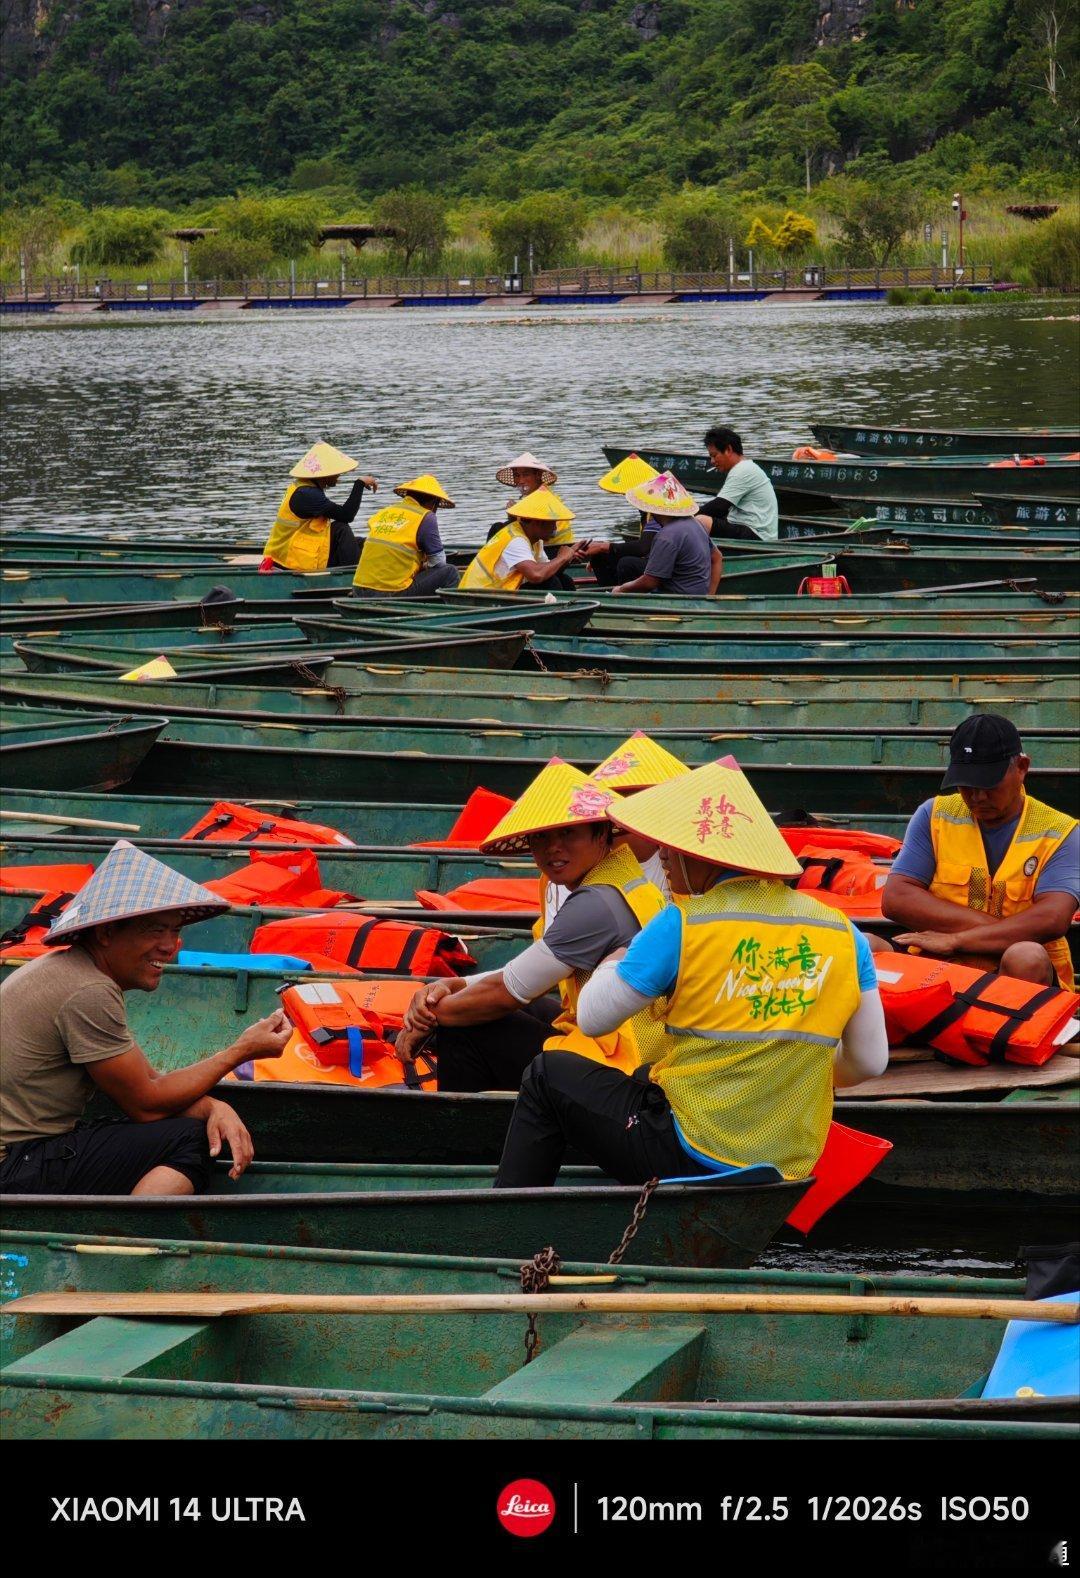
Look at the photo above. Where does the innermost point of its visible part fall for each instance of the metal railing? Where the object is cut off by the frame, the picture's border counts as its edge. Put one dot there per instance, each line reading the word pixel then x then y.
pixel 575 282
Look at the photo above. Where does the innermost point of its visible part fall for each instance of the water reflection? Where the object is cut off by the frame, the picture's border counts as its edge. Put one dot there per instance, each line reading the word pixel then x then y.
pixel 185 426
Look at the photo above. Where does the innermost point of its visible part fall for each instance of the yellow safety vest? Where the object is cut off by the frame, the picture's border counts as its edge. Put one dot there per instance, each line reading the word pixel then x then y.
pixel 768 978
pixel 962 876
pixel 564 533
pixel 642 1037
pixel 390 559
pixel 298 544
pixel 480 574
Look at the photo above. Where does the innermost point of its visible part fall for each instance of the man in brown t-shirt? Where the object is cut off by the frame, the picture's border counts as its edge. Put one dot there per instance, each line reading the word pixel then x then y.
pixel 64 1033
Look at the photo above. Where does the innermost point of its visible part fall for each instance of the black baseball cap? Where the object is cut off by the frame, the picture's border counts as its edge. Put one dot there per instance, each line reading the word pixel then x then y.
pixel 980 751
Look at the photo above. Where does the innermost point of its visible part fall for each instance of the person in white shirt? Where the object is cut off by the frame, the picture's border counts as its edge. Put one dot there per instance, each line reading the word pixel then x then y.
pixel 745 507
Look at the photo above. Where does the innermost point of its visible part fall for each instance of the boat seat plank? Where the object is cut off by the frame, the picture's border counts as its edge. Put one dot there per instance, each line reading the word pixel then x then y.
pixel 110 1348
pixel 601 1364
pixel 931 1079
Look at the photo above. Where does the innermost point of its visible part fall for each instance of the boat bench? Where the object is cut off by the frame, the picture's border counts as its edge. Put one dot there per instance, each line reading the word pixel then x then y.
pixel 606 1364
pixel 110 1348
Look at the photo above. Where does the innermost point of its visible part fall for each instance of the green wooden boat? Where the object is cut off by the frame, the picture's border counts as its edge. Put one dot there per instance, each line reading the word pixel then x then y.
pixel 438 1211
pixel 291 664
pixel 944 443
pixel 908 478
pixel 219 757
pixel 358 620
pixel 145 616
pixel 984 599
pixel 87 586
pixel 287 661
pixel 366 822
pixel 773 657
pixel 380 874
pixel 263 635
pixel 411 1376
pixel 1036 514
pixel 833 707
pixel 94 752
pixel 804 616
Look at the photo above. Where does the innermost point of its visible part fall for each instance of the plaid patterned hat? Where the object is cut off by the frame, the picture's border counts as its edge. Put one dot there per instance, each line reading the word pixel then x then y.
pixel 129 883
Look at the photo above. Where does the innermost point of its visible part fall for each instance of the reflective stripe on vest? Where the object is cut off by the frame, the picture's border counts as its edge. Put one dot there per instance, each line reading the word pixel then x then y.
pixel 961 872
pixel 295 543
pixel 768 978
pixel 480 575
pixel 641 1038
pixel 390 559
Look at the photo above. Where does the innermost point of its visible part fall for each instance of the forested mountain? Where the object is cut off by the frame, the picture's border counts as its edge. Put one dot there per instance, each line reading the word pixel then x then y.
pixel 173 101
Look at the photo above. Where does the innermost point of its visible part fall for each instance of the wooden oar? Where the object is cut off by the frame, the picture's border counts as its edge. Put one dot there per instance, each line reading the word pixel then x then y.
pixel 71 821
pixel 208 1306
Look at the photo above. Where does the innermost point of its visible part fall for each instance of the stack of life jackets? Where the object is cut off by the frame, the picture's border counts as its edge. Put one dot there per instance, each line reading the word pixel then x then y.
pixel 969 1016
pixel 57 885
pixel 839 867
pixel 284 877
pixel 509 895
pixel 342 1035
pixel 482 811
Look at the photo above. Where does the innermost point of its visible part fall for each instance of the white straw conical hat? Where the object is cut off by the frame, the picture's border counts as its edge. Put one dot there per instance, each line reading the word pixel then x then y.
pixel 130 883
pixel 526 462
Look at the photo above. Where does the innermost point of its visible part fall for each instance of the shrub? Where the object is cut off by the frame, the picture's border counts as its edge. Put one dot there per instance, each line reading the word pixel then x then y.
pixel 899 296
pixel 228 257
pixel 1049 254
pixel 121 237
pixel 698 229
pixel 548 222
pixel 283 227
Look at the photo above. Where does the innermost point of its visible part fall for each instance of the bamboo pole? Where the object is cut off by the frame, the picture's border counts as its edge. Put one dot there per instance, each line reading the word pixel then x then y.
pixel 209 1306
pixel 70 821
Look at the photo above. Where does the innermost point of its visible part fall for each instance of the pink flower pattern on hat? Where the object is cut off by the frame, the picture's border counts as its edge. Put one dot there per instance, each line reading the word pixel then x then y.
pixel 586 802
pixel 617 765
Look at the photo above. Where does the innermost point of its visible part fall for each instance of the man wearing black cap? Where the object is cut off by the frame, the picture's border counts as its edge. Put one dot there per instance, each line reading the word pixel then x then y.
pixel 988 875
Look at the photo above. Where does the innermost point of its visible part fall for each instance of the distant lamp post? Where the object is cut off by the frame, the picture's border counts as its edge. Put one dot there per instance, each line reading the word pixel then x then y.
pixel 961 214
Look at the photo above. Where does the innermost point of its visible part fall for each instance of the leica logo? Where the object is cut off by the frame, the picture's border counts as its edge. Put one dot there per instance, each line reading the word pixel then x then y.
pixel 526 1508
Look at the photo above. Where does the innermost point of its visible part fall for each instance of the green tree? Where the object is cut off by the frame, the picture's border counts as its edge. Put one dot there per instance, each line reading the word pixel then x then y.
pixel 875 215
pixel 698 230
pixel 282 227
pixel 800 116
pixel 1051 252
pixel 419 220
pixel 547 226
pixel 228 257
pixel 121 237
pixel 31 234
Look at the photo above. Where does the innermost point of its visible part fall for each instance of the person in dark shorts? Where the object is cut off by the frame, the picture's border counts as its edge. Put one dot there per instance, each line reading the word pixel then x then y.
pixel 64 1034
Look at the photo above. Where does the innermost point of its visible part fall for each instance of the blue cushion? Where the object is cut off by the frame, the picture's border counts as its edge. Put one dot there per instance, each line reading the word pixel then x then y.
pixel 1044 1356
pixel 279 963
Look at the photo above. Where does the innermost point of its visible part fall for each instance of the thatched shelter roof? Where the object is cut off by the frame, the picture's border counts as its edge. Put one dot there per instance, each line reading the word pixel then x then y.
pixel 189 233
pixel 357 234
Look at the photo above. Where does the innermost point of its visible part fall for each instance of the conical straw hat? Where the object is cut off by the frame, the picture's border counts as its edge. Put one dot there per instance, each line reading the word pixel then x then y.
pixel 526 462
pixel 629 473
pixel 559 796
pixel 713 814
pixel 639 763
pixel 428 485
pixel 129 883
pixel 664 495
pixel 543 505
pixel 323 460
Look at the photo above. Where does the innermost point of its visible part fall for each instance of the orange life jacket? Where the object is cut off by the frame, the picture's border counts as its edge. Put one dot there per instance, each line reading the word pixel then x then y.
pixel 970 1016
pixel 824 871
pixel 360 942
pixel 243 824
pixel 284 877
pixel 811 452
pixel 1018 460
pixel 26 939
pixel 46 879
pixel 482 811
pixel 339 1025
pixel 514 895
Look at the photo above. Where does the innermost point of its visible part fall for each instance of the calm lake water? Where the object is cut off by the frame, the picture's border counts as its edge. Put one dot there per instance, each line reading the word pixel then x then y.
pixel 174 425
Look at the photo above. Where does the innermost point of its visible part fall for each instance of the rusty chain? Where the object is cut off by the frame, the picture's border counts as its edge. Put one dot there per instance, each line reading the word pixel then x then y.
pixel 535 1275
pixel 545 1264
pixel 1053 598
pixel 634 1223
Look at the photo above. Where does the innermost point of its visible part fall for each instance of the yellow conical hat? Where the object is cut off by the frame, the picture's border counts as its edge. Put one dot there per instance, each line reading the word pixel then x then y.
pixel 713 814
pixel 428 485
pixel 323 460
pixel 559 796
pixel 639 763
pixel 543 505
pixel 629 473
